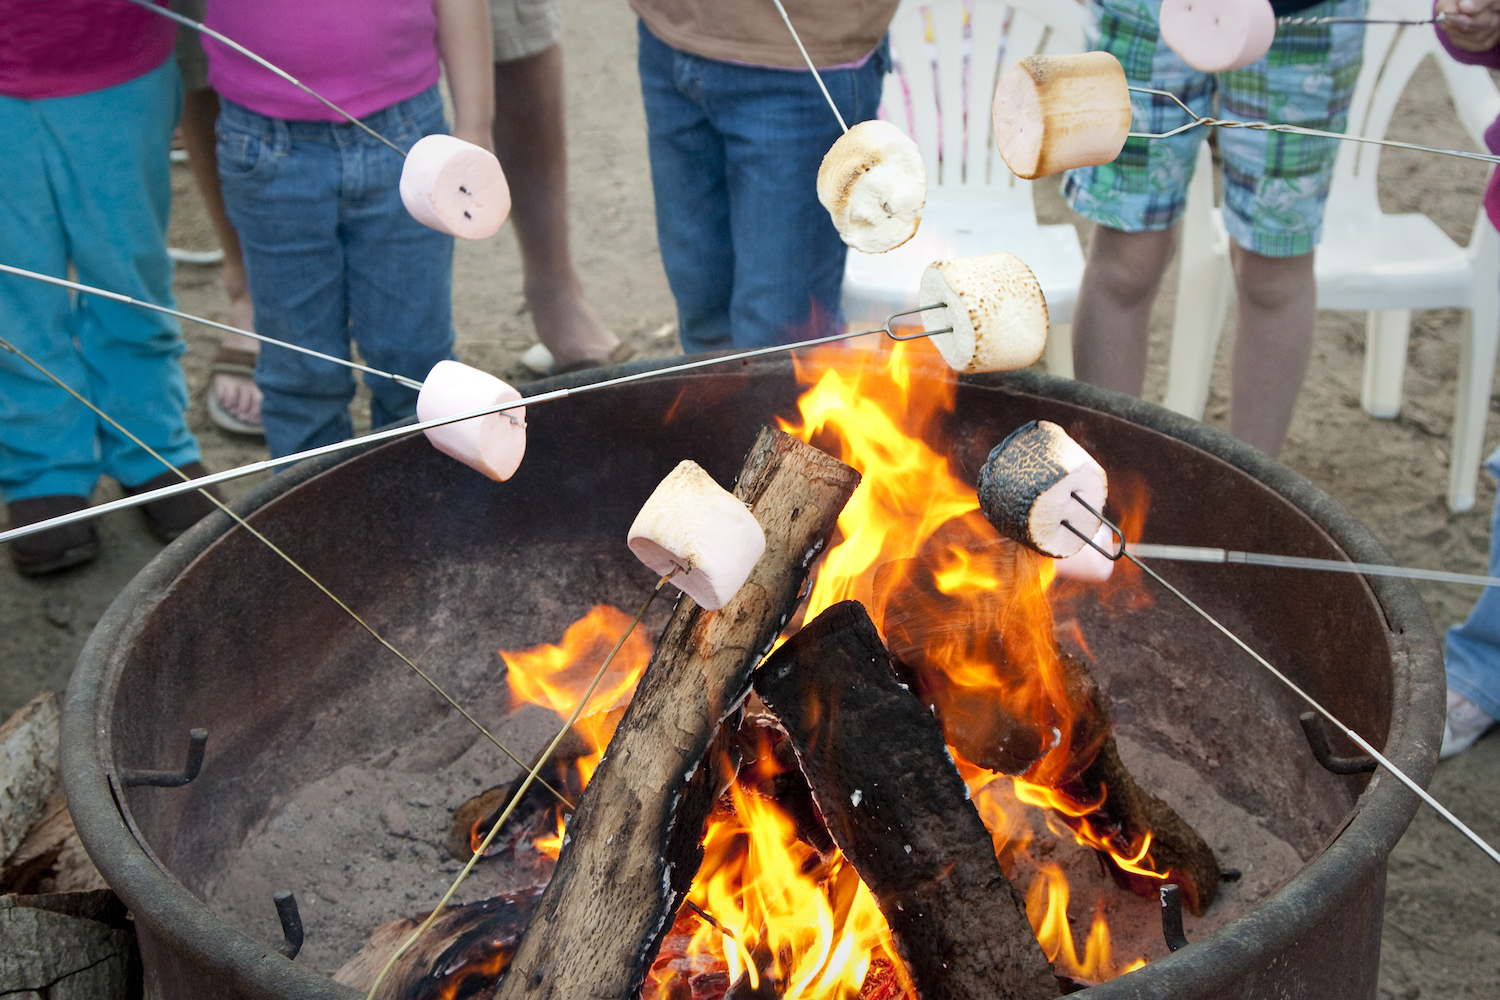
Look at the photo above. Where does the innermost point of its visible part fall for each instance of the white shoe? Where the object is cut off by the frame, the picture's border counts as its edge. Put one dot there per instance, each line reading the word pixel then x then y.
pixel 1466 723
pixel 538 359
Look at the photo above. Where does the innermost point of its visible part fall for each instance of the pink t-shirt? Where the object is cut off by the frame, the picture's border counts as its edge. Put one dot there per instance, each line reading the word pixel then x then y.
pixel 61 48
pixel 360 55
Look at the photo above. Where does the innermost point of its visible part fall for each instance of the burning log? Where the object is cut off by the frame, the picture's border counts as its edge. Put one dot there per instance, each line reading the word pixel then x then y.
pixel 633 844
pixel 897 807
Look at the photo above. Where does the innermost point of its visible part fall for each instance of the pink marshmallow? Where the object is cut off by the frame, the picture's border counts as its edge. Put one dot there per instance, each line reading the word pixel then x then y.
pixel 1213 36
pixel 492 444
pixel 1087 564
pixel 455 187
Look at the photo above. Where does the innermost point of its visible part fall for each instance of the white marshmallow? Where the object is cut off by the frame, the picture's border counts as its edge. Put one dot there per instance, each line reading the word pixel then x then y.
pixel 492 444
pixel 1054 113
pixel 996 309
pixel 1214 36
pixel 874 185
pixel 455 187
pixel 692 523
pixel 1087 564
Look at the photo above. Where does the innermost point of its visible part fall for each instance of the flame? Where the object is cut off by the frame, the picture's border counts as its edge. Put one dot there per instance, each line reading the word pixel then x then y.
pixel 1047 909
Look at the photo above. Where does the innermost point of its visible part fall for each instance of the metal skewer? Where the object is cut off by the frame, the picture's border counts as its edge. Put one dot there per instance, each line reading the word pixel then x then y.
pixel 1438 19
pixel 1193 553
pixel 270 464
pixel 1123 552
pixel 1292 129
pixel 808 59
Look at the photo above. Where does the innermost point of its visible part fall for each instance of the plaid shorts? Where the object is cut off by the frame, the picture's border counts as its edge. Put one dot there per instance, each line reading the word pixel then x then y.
pixel 1275 184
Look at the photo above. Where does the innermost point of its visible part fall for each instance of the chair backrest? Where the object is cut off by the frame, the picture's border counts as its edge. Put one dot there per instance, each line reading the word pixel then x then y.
pixel 949 55
pixel 1392 54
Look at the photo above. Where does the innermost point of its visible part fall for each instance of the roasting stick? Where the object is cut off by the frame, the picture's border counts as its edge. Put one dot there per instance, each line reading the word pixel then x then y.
pixel 1194 553
pixel 1123 551
pixel 1438 19
pixel 410 383
pixel 198 483
pixel 520 792
pixel 1293 129
pixel 270 464
pixel 808 59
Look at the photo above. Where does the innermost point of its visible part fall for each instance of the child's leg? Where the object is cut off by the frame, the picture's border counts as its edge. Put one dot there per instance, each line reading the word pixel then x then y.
pixel 400 273
pixel 1473 648
pixel 281 182
pixel 1112 322
pixel 1273 334
pixel 107 157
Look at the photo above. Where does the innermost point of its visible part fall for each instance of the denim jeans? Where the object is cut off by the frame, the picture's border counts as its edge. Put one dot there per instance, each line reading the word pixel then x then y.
pixel 332 256
pixel 84 180
pixel 752 257
pixel 1473 656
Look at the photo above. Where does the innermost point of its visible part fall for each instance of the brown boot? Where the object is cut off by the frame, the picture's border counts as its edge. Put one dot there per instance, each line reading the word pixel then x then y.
pixel 56 548
pixel 173 515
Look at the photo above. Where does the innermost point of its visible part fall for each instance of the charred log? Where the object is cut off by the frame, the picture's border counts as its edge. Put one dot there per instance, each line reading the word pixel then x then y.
pixel 633 845
pixel 897 807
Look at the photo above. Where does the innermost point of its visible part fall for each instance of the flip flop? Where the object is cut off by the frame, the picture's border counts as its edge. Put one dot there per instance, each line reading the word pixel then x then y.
pixel 240 364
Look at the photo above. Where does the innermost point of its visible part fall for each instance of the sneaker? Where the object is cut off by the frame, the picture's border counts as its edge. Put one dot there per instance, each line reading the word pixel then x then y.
pixel 55 549
pixel 170 517
pixel 1466 723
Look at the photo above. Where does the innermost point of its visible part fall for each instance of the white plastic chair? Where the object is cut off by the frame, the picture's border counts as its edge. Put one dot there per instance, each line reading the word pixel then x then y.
pixel 974 203
pixel 1368 260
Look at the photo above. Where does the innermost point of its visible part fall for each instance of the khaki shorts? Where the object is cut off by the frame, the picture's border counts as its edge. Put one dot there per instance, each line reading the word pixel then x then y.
pixel 525 27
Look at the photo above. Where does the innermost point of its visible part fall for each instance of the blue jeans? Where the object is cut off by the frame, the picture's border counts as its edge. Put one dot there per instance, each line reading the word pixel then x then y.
pixel 1473 658
pixel 332 256
pixel 752 257
pixel 84 180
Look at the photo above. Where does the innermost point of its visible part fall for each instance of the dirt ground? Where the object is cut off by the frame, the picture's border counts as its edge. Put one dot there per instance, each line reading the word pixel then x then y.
pixel 1443 897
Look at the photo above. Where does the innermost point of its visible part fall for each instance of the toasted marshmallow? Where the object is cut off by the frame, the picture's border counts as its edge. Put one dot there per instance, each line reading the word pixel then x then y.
pixel 874 185
pixel 995 307
pixel 1214 36
pixel 700 533
pixel 1054 113
pixel 455 187
pixel 1026 489
pixel 493 444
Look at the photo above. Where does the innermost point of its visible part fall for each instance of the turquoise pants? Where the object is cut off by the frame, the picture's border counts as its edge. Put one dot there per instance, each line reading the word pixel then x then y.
pixel 84 182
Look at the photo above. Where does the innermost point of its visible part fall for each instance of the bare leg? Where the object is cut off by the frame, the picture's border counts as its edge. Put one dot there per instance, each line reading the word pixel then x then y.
pixel 531 143
pixel 1278 308
pixel 1112 322
pixel 200 108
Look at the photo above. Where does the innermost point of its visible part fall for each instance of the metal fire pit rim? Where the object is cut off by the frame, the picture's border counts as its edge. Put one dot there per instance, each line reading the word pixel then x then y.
pixel 180 918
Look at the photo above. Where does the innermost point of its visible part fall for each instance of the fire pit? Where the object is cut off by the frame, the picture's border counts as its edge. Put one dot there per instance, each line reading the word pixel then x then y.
pixel 218 633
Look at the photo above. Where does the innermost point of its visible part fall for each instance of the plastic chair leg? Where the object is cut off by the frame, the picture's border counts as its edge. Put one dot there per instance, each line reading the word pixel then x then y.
pixel 1058 354
pixel 1387 332
pixel 1476 375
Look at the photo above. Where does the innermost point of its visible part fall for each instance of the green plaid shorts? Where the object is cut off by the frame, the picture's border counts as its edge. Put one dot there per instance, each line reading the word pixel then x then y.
pixel 1275 184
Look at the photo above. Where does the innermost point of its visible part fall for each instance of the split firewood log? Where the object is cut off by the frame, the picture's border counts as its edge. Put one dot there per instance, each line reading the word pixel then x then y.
pixel 28 768
pixel 899 810
pixel 633 846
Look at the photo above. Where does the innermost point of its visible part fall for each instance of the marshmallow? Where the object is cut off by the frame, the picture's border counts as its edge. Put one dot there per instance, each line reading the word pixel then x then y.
pixel 494 443
pixel 995 307
pixel 1087 564
pixel 455 187
pixel 1026 489
pixel 1213 36
pixel 1054 113
pixel 692 523
pixel 874 186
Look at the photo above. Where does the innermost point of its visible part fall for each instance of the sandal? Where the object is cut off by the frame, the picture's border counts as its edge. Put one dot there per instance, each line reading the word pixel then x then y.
pixel 240 364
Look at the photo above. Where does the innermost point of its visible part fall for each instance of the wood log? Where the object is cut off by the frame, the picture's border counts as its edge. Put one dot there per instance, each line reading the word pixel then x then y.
pixel 633 847
pixel 897 807
pixel 67 946
pixel 51 859
pixel 28 768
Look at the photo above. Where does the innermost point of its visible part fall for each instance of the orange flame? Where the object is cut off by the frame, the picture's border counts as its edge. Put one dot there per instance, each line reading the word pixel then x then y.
pixel 1047 909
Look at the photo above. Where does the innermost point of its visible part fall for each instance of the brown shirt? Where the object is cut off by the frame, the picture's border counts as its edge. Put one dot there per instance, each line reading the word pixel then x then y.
pixel 751 31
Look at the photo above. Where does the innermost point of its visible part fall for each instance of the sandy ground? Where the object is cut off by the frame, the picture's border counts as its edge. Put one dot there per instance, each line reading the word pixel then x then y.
pixel 1443 896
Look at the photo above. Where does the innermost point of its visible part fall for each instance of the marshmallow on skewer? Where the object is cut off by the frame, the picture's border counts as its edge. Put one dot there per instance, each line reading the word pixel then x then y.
pixel 1214 36
pixel 691 523
pixel 455 187
pixel 1054 113
pixel 1026 489
pixel 995 307
pixel 492 444
pixel 874 185
pixel 1088 564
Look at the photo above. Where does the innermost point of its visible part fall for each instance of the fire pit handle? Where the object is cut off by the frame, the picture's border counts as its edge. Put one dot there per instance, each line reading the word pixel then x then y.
pixel 1171 917
pixel 1317 738
pixel 291 923
pixel 197 741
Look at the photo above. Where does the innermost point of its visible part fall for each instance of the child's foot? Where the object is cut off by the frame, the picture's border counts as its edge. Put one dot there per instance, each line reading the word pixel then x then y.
pixel 1466 723
pixel 570 330
pixel 233 398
